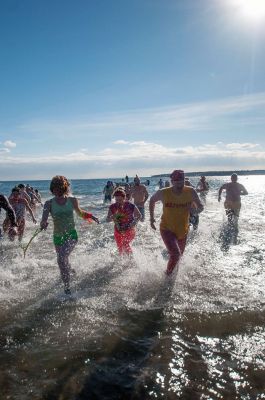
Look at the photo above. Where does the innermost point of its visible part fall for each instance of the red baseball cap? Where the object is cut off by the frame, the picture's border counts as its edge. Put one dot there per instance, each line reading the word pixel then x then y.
pixel 177 175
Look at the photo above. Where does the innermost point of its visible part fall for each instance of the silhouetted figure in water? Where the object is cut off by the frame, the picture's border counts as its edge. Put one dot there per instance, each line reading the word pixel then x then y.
pixel 203 188
pixel 234 191
pixel 232 204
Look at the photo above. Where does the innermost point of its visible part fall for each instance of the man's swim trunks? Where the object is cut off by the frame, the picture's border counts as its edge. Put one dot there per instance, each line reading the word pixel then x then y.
pixel 233 205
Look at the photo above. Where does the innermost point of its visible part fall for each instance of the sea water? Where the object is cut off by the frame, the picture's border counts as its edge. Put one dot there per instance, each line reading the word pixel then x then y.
pixel 128 331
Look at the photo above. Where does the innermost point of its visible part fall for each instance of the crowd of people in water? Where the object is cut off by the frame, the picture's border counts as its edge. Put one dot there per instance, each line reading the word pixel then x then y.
pixel 181 201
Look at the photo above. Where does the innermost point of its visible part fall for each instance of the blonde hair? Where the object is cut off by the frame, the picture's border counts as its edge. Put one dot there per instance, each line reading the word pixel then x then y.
pixel 60 182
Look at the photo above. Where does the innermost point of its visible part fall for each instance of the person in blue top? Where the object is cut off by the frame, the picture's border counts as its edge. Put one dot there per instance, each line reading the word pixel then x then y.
pixel 62 207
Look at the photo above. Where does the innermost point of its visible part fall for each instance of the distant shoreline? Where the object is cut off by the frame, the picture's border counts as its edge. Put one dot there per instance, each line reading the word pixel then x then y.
pixel 218 173
pixel 196 174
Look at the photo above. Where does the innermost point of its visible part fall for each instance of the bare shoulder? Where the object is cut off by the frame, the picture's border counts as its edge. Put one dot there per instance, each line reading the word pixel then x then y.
pixel 73 200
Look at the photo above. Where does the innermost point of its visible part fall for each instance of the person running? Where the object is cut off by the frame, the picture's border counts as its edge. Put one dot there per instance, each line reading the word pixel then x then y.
pixel 232 202
pixel 5 205
pixel 127 188
pixel 139 195
pixel 125 216
pixel 160 183
pixel 23 192
pixel 202 188
pixel 107 191
pixel 37 193
pixel 19 205
pixel 33 197
pixel 174 226
pixel 62 207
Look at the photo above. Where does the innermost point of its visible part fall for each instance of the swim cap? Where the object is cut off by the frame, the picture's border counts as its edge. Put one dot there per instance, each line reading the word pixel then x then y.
pixel 177 175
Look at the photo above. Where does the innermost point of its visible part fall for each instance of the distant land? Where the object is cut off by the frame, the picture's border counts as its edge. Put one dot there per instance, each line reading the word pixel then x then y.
pixel 218 173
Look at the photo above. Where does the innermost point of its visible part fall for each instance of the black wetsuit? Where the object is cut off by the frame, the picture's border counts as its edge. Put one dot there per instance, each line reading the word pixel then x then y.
pixel 4 203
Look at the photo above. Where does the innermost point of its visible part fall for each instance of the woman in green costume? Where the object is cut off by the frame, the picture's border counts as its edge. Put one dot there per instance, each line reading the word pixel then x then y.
pixel 62 207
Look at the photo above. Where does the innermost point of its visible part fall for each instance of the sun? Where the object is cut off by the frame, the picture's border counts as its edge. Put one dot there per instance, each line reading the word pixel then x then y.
pixel 251 10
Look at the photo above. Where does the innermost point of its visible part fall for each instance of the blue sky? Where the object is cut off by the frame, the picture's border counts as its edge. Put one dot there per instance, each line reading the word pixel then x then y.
pixel 104 88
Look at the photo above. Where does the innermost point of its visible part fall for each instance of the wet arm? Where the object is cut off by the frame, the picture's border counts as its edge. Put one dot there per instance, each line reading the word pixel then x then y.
pixel 158 196
pixel 82 213
pixel 45 214
pixel 197 201
pixel 37 198
pixel 137 216
pixel 30 211
pixel 109 216
pixel 243 191
pixel 146 196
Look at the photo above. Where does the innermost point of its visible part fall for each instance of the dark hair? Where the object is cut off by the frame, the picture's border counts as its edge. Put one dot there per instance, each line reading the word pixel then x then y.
pixel 15 189
pixel 21 185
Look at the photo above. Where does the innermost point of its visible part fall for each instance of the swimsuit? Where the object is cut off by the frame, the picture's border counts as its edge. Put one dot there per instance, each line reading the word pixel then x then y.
pixel 233 205
pixel 63 219
pixel 125 218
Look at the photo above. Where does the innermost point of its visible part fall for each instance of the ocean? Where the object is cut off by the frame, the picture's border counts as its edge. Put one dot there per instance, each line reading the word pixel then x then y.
pixel 130 332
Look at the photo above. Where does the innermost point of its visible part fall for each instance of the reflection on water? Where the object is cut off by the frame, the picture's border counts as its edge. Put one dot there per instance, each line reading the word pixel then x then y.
pixel 130 332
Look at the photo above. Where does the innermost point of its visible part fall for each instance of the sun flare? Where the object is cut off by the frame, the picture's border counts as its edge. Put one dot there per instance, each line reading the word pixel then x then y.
pixel 252 10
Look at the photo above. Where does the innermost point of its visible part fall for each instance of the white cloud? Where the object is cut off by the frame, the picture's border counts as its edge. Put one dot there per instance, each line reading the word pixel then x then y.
pixel 120 142
pixel 142 153
pixel 236 146
pixel 9 144
pixel 144 157
pixel 230 112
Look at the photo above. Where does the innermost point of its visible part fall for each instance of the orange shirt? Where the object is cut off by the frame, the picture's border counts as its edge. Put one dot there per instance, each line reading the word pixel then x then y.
pixel 176 211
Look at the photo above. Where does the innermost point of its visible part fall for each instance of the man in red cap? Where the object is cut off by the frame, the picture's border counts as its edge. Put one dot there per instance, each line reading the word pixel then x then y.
pixel 178 200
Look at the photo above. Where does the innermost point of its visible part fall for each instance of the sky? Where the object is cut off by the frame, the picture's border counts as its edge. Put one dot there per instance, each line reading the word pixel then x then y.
pixel 105 88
